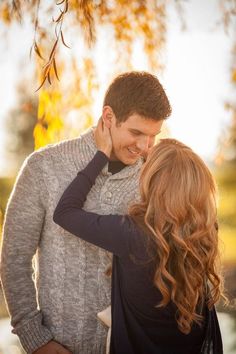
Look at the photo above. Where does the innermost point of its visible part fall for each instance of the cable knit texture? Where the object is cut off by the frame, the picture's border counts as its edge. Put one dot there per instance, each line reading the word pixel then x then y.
pixel 69 273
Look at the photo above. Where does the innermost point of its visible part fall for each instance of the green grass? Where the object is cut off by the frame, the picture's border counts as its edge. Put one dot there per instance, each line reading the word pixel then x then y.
pixel 228 244
pixel 226 179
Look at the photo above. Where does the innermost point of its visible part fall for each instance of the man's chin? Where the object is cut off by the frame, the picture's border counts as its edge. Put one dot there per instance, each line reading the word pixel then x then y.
pixel 129 161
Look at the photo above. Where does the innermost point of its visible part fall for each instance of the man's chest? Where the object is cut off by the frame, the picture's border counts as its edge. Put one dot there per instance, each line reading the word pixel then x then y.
pixel 112 196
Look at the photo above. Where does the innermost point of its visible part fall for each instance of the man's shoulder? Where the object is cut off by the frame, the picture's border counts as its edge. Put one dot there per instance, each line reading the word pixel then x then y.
pixel 65 154
pixel 56 150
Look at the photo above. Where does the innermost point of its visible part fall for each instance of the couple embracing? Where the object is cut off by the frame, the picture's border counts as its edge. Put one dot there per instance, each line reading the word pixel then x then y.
pixel 111 199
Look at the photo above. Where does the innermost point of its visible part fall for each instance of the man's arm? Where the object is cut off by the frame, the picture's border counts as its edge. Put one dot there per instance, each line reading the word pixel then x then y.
pixel 21 234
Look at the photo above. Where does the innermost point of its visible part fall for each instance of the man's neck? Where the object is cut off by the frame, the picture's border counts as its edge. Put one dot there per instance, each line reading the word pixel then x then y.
pixel 115 166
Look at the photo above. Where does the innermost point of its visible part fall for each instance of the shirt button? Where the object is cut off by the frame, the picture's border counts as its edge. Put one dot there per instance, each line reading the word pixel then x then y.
pixel 108 194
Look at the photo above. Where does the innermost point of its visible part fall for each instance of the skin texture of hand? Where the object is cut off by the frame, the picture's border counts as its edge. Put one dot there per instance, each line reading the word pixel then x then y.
pixel 102 138
pixel 52 348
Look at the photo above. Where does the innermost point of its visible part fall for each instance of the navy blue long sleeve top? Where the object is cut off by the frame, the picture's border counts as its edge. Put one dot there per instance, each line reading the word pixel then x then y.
pixel 138 326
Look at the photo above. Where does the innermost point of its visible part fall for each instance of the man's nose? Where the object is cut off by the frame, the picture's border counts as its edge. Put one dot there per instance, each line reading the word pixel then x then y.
pixel 143 144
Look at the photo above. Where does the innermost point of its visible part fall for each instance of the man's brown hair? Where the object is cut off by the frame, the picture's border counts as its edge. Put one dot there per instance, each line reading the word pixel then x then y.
pixel 137 92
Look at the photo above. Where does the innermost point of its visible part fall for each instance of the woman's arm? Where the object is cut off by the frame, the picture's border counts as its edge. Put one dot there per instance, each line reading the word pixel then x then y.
pixel 107 231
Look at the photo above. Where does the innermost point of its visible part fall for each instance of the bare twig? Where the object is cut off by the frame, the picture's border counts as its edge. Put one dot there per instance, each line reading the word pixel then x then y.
pixel 16 8
pixel 51 63
pixel 35 46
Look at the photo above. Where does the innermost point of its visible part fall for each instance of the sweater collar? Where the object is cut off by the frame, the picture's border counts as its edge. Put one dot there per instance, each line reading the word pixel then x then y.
pixel 88 138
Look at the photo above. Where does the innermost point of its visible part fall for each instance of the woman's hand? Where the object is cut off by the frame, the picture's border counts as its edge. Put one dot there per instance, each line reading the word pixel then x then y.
pixel 102 136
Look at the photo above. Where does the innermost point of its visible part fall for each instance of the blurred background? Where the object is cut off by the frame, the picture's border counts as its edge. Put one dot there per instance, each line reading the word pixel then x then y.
pixel 189 44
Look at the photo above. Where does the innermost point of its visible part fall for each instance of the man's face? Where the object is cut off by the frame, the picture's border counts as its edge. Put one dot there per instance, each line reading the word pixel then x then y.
pixel 132 138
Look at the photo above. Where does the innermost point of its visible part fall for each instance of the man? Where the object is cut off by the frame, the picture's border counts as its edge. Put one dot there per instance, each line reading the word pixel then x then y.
pixel 56 311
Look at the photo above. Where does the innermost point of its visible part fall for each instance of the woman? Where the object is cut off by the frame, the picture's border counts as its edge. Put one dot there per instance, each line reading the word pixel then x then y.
pixel 164 277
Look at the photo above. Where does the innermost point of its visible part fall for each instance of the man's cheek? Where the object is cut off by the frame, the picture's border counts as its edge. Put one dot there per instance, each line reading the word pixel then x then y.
pixel 146 153
pixel 151 143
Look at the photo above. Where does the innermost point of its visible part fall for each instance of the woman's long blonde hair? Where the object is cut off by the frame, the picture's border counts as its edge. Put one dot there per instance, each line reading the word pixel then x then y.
pixel 178 210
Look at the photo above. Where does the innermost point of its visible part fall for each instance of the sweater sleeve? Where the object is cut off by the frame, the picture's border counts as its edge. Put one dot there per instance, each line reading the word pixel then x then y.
pixel 21 234
pixel 109 232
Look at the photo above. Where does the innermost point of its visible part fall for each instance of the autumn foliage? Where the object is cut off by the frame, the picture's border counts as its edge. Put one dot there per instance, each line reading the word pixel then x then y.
pixel 57 26
pixel 124 22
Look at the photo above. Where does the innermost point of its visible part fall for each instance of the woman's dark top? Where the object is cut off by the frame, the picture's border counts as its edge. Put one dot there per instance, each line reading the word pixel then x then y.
pixel 138 326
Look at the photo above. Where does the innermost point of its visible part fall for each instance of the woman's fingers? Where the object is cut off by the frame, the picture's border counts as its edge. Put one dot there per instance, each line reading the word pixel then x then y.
pixel 102 137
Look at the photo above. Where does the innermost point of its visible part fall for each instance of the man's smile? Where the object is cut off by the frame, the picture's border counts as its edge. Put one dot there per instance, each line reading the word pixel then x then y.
pixel 133 152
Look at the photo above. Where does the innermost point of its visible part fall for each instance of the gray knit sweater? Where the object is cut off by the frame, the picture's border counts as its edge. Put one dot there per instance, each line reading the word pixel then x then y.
pixel 58 298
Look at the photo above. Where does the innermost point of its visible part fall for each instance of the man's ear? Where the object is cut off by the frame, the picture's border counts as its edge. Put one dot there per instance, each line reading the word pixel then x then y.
pixel 108 116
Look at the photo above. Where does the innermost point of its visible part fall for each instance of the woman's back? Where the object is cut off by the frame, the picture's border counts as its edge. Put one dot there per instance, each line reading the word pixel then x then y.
pixel 147 328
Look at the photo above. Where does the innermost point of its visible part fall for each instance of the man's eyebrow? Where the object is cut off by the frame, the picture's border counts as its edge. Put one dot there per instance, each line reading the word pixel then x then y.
pixel 139 131
pixel 135 130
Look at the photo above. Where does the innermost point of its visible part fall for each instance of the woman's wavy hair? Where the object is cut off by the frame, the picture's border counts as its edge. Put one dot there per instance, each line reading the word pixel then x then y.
pixel 178 211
